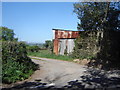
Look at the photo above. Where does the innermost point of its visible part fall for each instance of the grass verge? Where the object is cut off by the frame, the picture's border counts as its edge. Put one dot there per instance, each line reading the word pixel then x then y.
pixel 48 54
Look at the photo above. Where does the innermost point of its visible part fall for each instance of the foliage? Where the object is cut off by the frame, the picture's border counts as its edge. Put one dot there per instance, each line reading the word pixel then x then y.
pixel 7 34
pixel 100 16
pixel 48 54
pixel 49 44
pixel 113 22
pixel 94 15
pixel 0 62
pixel 15 63
pixel 33 48
pixel 109 54
pixel 85 45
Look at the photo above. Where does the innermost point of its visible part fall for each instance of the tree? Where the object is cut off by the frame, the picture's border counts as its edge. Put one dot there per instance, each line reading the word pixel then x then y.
pixel 103 17
pixel 49 44
pixel 94 15
pixel 7 34
pixel 113 20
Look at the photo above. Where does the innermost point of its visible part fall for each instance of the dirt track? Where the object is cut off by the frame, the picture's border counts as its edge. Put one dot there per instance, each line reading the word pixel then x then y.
pixel 56 71
pixel 61 74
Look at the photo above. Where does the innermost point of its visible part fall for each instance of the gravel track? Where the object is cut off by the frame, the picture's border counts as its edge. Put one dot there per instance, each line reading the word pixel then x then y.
pixel 57 71
pixel 64 74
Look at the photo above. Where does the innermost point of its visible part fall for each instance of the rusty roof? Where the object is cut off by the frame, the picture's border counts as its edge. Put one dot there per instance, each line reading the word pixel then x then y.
pixel 65 30
pixel 65 34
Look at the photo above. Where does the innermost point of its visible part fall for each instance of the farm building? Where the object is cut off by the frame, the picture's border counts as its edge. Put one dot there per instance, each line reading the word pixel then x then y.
pixel 64 41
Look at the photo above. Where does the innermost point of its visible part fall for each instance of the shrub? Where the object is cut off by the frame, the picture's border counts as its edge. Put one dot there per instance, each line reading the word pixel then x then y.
pixel 15 63
pixel 86 46
pixel 32 48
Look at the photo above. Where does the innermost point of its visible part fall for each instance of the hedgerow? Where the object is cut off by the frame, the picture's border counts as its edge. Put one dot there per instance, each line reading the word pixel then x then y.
pixel 16 65
pixel 32 48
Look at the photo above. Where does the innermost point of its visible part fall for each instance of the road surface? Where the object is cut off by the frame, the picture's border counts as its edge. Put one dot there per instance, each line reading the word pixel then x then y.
pixel 64 74
pixel 57 72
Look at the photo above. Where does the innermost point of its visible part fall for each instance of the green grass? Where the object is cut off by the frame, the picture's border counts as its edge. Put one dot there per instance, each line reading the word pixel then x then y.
pixel 48 54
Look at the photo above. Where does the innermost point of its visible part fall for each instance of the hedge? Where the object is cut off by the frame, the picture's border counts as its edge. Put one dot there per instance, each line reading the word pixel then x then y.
pixel 16 65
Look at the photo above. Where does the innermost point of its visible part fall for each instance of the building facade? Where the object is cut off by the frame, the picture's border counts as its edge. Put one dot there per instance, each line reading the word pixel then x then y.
pixel 64 41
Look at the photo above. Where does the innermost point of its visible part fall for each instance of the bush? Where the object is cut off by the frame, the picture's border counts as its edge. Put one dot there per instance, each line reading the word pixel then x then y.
pixel 86 46
pixel 15 63
pixel 32 48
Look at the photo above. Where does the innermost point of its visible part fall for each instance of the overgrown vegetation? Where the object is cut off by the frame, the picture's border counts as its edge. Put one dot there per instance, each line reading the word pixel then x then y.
pixel 49 45
pixel 86 46
pixel 103 17
pixel 33 48
pixel 49 54
pixel 16 65
pixel 109 55
pixel 46 52
pixel 7 34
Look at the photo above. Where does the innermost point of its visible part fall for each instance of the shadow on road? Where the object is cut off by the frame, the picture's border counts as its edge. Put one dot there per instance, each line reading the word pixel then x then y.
pixel 93 79
pixel 97 79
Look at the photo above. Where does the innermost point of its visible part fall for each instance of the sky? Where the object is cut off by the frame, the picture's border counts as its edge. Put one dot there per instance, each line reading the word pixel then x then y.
pixel 34 21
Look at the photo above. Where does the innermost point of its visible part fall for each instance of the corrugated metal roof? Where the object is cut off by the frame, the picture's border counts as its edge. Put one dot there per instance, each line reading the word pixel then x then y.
pixel 65 30
pixel 65 34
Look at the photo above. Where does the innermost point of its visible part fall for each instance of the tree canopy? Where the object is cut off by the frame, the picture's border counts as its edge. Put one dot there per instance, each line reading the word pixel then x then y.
pixel 95 15
pixel 49 44
pixel 103 18
pixel 7 34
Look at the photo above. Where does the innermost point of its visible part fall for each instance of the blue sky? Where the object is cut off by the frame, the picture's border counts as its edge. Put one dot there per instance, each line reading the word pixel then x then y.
pixel 34 21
